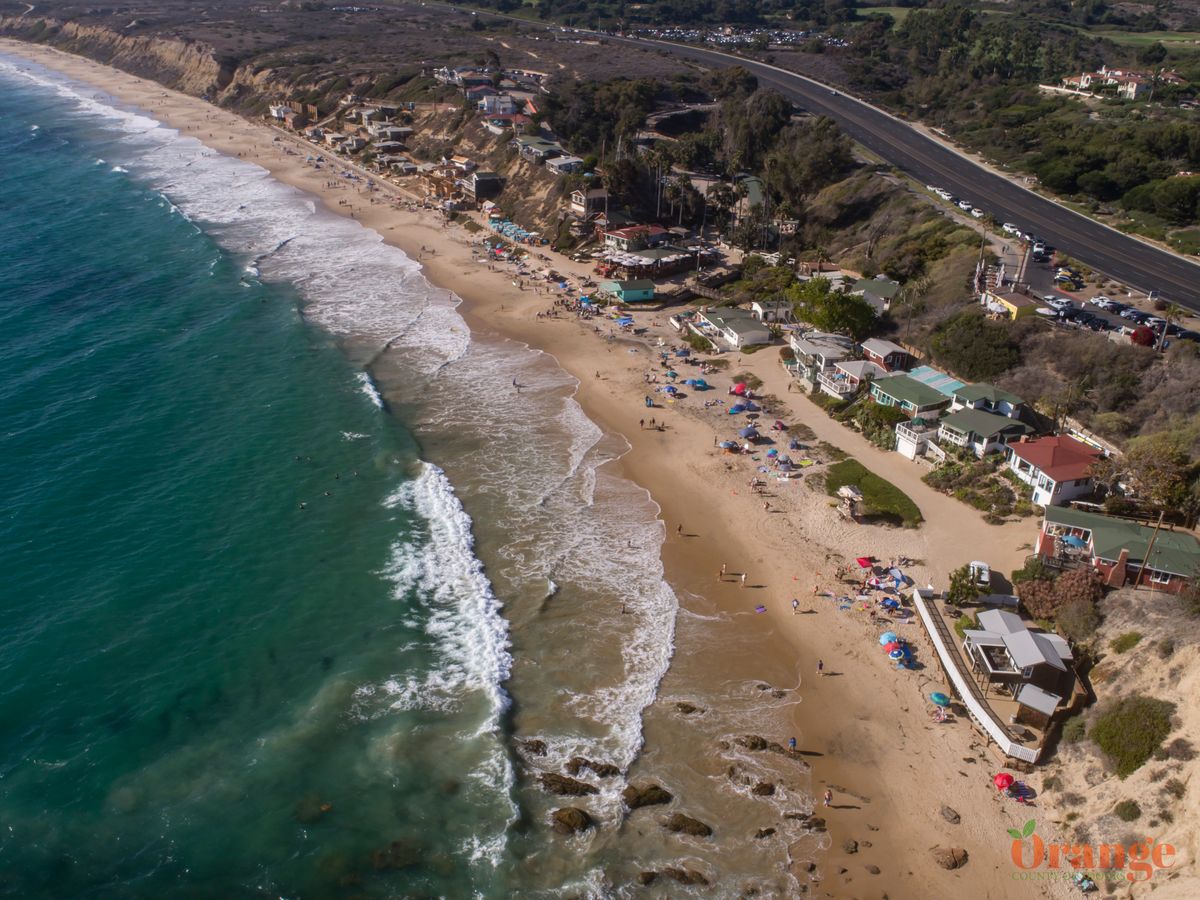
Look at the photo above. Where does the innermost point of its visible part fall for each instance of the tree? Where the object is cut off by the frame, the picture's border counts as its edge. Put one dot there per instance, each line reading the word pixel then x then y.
pixel 1043 598
pixel 963 589
pixel 974 348
pixel 1161 468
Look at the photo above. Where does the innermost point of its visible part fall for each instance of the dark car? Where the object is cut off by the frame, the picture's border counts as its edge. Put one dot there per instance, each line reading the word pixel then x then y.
pixel 1186 334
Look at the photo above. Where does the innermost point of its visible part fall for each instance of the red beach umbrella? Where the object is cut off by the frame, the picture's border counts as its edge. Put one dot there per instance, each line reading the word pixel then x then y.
pixel 864 562
pixel 1003 781
pixel 892 645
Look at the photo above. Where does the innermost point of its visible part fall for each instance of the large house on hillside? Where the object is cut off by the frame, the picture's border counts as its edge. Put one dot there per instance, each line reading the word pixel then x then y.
pixel 1122 551
pixel 1058 468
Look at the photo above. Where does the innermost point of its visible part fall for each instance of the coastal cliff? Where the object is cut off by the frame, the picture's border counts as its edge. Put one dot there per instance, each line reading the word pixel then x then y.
pixel 186 66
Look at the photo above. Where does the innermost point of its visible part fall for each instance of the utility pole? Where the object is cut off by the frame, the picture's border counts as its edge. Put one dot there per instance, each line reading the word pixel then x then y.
pixel 1149 551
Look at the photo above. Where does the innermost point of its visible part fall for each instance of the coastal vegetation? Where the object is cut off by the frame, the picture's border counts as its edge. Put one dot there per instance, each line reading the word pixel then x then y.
pixel 1130 730
pixel 882 498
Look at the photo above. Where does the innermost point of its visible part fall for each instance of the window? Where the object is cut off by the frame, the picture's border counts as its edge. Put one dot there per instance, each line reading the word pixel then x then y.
pixel 1157 577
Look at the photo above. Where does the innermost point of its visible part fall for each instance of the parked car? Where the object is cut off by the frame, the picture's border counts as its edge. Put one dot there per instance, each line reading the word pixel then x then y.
pixel 965 205
pixel 1099 300
pixel 1010 228
pixel 1155 322
pixel 1186 334
pixel 976 212
pixel 1039 248
pixel 1055 302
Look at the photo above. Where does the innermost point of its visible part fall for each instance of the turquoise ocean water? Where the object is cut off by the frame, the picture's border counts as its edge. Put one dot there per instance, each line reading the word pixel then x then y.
pixel 233 659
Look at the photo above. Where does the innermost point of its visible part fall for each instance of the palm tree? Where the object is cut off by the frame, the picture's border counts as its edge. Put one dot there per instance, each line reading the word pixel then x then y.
pixel 1173 313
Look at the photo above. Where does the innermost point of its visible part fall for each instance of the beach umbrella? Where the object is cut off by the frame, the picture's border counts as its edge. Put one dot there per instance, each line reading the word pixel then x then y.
pixel 751 406
pixel 939 699
pixel 864 562
pixel 739 388
pixel 887 637
pixel 896 655
pixel 701 383
pixel 1003 781
pixel 1072 541
pixel 891 646
pixel 889 603
pixel 748 432
pixel 772 452
pixel 671 373
pixel 670 389
pixel 736 408
pixel 728 445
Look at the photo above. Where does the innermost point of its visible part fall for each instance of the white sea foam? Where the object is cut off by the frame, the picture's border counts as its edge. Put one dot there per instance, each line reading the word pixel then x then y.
pixel 119 169
pixel 368 388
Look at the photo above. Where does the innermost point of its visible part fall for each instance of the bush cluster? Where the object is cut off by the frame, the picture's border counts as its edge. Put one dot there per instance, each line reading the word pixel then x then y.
pixel 1131 730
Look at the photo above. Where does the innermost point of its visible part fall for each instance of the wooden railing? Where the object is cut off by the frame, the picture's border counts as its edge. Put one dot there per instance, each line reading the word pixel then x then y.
pixel 977 707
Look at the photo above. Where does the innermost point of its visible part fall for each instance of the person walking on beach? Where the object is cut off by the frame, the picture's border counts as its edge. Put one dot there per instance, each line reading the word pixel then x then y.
pixel 828 796
pixel 743 579
pixel 792 744
pixel 679 529
pixel 795 607
pixel 722 571
pixel 820 667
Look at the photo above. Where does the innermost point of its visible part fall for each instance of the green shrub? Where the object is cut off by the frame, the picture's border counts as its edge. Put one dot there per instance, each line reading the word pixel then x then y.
pixel 1128 810
pixel 964 622
pixel 1174 788
pixel 1078 620
pixel 1073 730
pixel 749 379
pixel 1131 730
pixel 881 497
pixel 1125 642
pixel 1033 570
pixel 698 343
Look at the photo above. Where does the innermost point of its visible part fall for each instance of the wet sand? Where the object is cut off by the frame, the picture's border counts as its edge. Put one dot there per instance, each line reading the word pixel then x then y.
pixel 862 726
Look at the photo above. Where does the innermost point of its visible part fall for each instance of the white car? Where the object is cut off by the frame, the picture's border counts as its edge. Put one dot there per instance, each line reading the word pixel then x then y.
pixel 944 194
pixel 964 205
pixel 1039 249
pixel 1010 228
pixel 1057 302
pixel 977 212
pixel 1099 300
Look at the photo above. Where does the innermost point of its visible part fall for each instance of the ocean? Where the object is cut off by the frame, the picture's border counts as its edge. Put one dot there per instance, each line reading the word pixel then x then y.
pixel 300 596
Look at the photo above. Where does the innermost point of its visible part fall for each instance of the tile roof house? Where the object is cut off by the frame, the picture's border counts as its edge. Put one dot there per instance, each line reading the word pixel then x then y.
pixel 635 237
pixel 1057 468
pixel 888 356
pixel 980 432
pixel 1122 551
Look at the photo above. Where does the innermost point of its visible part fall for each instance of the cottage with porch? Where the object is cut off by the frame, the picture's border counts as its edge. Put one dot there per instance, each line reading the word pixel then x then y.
pixel 888 356
pixel 736 328
pixel 988 398
pixel 1033 667
pixel 816 352
pixel 843 380
pixel 1121 550
pixel 1057 468
pixel 978 431
pixel 879 291
pixel 585 203
pixel 635 237
pixel 908 394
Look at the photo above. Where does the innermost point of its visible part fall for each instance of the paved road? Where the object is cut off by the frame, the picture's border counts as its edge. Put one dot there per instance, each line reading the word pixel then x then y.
pixel 1119 256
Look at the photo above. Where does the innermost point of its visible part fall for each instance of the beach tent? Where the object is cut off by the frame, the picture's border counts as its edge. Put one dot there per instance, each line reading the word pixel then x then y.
pixel 890 603
pixel 865 562
pixel 669 389
pixel 701 384
pixel 728 445
pixel 683 352
pixel 749 432
pixel 739 389
pixel 736 408
pixel 772 453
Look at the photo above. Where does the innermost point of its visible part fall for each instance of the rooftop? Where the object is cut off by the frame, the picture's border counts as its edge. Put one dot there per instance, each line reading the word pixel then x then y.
pixel 989 392
pixel 880 287
pixel 984 424
pixel 880 347
pixel 908 390
pixel 634 284
pixel 861 368
pixel 1015 300
pixel 944 384
pixel 831 346
pixel 1177 552
pixel 1059 457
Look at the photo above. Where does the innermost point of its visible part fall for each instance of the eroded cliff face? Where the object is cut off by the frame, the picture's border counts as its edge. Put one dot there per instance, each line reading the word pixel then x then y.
pixel 183 65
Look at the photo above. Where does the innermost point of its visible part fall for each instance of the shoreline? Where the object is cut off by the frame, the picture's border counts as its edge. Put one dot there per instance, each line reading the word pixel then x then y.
pixel 864 728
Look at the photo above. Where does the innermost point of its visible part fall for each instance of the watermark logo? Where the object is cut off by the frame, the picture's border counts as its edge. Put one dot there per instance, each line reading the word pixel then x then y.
pixel 1036 858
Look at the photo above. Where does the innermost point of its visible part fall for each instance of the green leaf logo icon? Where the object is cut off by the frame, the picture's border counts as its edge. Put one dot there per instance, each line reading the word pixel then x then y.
pixel 1014 834
pixel 1027 830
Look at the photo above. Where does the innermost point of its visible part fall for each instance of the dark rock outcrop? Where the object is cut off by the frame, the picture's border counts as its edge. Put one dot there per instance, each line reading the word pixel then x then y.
pixel 681 824
pixel 567 787
pixel 578 763
pixel 645 878
pixel 637 796
pixel 850 845
pixel 571 820
pixel 950 815
pixel 688 709
pixel 763 789
pixel 764 833
pixel 752 742
pixel 533 747
pixel 685 876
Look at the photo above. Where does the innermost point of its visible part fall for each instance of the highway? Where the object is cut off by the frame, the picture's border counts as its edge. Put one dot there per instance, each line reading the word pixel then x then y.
pixel 1122 258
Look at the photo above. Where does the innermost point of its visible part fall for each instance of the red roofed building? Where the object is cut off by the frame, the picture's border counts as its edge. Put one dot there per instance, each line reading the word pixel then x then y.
pixel 635 237
pixel 1057 468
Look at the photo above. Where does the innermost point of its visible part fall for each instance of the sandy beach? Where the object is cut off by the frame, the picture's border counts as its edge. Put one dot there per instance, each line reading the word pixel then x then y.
pixel 861 725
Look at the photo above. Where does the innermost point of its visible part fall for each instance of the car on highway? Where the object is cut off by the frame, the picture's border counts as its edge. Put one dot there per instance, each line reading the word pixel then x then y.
pixel 1186 334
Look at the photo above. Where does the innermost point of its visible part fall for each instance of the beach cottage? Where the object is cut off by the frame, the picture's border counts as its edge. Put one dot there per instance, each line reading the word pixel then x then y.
pixel 978 431
pixel 1120 550
pixel 816 352
pixel 908 394
pixel 1057 468
pixel 637 290
pixel 888 356
pixel 736 328
pixel 845 377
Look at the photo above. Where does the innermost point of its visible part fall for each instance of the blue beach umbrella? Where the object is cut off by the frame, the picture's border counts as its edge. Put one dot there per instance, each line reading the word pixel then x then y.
pixel 939 699
pixel 887 637
pixel 749 431
pixel 896 654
